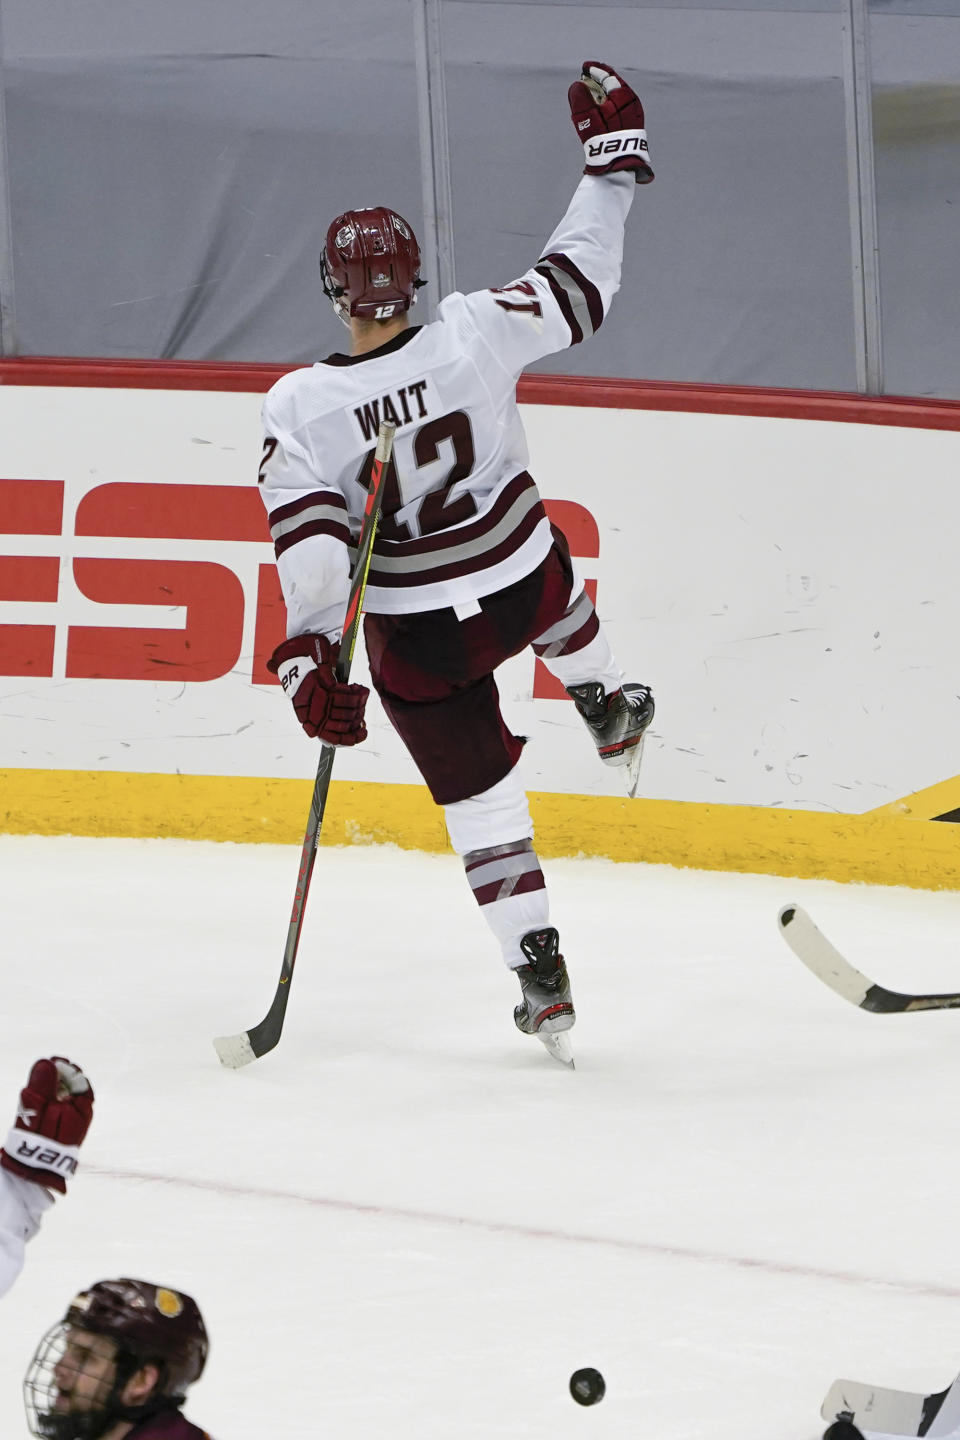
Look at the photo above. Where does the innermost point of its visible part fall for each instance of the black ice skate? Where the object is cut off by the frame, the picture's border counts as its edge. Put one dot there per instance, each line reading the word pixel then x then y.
pixel 547 1008
pixel 617 722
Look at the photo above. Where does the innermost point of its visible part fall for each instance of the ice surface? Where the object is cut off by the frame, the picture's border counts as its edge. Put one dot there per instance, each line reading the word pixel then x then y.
pixel 407 1221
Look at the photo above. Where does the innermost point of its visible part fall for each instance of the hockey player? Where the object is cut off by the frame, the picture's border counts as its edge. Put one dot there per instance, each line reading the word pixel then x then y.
pixel 118 1365
pixel 40 1154
pixel 466 570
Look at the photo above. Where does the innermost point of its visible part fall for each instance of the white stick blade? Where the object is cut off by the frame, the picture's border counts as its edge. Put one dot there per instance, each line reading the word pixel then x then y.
pixel 892 1412
pixel 235 1051
pixel 812 947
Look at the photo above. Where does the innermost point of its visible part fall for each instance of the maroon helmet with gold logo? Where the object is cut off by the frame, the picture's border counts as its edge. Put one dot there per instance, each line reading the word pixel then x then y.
pixel 75 1388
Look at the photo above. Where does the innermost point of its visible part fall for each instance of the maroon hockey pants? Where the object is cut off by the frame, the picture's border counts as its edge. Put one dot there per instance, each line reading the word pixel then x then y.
pixel 434 675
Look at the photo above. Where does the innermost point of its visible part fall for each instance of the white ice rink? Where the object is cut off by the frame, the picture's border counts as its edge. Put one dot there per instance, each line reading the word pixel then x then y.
pixel 407 1221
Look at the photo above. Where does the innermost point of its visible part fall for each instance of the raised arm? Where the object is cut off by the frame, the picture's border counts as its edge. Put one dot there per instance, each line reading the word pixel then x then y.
pixel 40 1154
pixel 565 296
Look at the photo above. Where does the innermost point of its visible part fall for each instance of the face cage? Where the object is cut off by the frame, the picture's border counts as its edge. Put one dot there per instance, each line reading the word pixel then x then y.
pixel 40 1391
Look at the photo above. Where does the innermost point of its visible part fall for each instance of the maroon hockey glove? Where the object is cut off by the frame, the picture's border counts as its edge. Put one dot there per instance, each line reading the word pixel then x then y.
pixel 609 121
pixel 54 1114
pixel 327 709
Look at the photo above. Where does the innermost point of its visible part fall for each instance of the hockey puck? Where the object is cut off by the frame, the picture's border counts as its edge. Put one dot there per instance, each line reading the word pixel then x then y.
pixel 587 1386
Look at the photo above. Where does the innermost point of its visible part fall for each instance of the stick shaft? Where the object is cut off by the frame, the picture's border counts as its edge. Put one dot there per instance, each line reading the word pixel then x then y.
pixel 240 1049
pixel 348 644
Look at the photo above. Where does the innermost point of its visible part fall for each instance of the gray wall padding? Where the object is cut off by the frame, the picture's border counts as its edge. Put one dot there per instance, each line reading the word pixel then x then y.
pixel 172 173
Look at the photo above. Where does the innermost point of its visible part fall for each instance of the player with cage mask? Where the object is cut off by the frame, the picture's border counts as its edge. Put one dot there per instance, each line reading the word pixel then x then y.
pixel 118 1366
pixel 467 569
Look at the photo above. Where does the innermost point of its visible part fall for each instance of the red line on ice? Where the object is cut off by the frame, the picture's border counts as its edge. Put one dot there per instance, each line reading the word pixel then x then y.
pixel 539 1232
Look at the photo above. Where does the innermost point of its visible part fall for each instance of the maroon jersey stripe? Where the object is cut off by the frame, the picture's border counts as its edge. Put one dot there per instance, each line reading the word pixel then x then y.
pixel 311 527
pixel 480 560
pixel 590 292
pixel 563 301
pixel 460 534
pixel 306 502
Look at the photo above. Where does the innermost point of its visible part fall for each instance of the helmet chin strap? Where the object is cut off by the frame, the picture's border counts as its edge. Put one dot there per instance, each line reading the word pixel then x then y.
pixel 127 1365
pixel 136 1413
pixel 334 293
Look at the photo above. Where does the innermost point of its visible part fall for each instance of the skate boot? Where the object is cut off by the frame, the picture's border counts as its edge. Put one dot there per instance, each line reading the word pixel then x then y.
pixel 547 1007
pixel 617 722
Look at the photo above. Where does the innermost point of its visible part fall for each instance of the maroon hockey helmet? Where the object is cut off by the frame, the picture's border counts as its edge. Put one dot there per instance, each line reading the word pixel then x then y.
pixel 149 1322
pixel 371 264
pixel 70 1395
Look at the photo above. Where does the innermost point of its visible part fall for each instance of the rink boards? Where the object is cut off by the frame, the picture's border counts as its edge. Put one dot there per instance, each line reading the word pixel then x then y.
pixel 778 567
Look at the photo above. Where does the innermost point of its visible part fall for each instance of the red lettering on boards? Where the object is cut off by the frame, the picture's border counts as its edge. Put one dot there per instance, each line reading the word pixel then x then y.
pixel 207 646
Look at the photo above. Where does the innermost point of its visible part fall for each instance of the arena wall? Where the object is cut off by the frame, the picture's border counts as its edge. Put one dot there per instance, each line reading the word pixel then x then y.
pixel 778 566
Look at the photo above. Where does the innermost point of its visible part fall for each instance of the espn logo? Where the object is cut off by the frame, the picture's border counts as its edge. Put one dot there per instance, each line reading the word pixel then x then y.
pixel 628 142
pixel 216 594
pixel 213 597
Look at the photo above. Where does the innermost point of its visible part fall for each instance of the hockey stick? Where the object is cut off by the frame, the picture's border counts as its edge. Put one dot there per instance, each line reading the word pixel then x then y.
pixel 812 947
pixel 238 1050
pixel 892 1412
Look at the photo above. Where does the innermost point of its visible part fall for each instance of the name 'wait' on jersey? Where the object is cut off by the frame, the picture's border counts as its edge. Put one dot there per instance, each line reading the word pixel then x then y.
pixel 462 517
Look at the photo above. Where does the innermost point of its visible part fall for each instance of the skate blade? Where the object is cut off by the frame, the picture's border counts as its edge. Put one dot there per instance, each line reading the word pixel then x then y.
pixel 633 768
pixel 557 1044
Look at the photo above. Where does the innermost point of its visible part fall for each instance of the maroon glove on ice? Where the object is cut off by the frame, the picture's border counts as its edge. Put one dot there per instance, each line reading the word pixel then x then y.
pixel 54 1114
pixel 327 709
pixel 608 118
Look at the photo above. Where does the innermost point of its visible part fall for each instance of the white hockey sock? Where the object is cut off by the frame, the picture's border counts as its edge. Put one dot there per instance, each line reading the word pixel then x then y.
pixel 493 834
pixel 594 661
pixel 509 887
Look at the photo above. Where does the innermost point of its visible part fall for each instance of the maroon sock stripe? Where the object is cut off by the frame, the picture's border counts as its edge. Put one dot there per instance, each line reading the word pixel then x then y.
pixel 575 628
pixel 513 885
pixel 483 857
pixel 578 639
pixel 500 871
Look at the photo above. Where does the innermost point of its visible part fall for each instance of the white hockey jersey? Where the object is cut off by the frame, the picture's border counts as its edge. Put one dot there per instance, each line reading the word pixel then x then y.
pixel 22 1206
pixel 462 517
